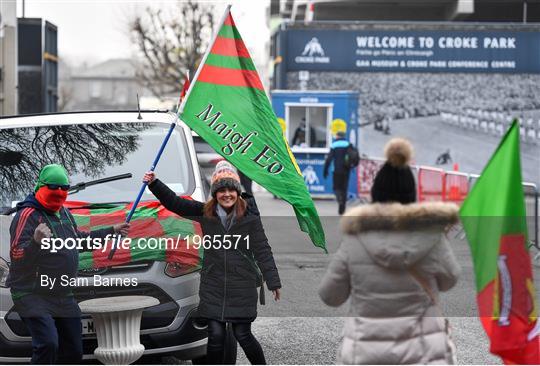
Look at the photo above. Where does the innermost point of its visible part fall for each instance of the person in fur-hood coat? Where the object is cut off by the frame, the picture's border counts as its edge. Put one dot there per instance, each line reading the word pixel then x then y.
pixel 393 262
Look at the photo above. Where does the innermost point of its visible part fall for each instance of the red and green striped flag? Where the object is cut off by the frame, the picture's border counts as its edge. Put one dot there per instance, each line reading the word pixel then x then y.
pixel 150 221
pixel 228 107
pixel 494 219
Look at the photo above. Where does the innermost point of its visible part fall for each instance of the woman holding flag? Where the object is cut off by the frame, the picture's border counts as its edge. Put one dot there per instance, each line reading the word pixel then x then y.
pixel 230 273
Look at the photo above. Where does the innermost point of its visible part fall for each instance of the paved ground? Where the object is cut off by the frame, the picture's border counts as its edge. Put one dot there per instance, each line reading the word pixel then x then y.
pixel 300 329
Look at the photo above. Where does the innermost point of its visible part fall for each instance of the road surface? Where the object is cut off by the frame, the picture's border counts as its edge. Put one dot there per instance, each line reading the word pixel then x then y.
pixel 300 329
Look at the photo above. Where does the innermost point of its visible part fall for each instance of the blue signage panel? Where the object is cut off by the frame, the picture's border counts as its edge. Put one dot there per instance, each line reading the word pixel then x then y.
pixel 312 167
pixel 344 107
pixel 414 51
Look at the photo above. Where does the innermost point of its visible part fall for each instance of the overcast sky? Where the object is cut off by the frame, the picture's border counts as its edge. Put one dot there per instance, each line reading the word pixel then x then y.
pixel 96 30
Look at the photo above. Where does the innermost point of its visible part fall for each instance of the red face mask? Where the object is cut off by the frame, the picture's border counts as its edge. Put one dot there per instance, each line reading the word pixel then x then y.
pixel 51 199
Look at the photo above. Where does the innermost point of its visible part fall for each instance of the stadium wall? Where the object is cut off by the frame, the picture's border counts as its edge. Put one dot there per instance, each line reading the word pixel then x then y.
pixel 399 95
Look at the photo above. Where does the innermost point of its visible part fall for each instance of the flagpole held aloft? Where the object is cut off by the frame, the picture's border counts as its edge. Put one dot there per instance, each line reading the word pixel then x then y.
pixel 172 127
pixel 144 185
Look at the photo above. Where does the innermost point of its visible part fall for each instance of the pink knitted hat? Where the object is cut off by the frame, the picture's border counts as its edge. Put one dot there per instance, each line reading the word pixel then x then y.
pixel 225 176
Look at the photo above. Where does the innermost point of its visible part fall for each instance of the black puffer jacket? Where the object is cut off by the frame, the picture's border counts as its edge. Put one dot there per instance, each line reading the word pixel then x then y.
pixel 228 290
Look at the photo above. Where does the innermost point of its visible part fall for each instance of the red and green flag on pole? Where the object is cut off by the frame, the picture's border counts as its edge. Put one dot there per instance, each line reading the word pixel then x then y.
pixel 156 234
pixel 494 220
pixel 227 106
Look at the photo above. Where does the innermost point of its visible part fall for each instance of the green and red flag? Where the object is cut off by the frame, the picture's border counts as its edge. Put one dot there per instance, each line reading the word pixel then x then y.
pixel 494 220
pixel 228 107
pixel 169 234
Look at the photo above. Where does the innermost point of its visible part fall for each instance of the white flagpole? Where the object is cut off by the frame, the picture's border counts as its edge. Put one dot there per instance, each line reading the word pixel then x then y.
pixel 203 61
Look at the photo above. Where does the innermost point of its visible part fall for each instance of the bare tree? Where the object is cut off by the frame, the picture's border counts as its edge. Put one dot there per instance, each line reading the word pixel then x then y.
pixel 171 43
pixel 87 149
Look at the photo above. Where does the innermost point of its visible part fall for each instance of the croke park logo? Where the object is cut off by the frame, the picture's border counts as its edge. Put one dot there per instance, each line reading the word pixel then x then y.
pixel 313 53
pixel 310 176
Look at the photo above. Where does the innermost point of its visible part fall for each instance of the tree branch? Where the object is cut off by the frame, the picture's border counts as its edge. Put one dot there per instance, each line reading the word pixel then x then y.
pixel 169 44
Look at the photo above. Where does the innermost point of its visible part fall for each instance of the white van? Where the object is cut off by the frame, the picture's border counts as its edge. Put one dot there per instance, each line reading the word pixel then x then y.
pixel 93 146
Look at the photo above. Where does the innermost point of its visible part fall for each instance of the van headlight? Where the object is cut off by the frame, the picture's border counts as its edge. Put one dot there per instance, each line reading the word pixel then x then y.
pixel 173 269
pixel 4 271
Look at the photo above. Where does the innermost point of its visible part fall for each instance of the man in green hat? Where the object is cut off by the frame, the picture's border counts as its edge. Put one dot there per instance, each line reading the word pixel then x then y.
pixel 37 276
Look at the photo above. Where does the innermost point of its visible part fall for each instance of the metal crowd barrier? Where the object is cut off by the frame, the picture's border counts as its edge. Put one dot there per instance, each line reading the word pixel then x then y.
pixel 367 169
pixel 455 186
pixel 430 184
pixel 438 185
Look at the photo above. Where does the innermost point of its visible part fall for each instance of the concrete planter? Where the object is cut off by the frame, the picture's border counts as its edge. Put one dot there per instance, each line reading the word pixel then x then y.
pixel 117 321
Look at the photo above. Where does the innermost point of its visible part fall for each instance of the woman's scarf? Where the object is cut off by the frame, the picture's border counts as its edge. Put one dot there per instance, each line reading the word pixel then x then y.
pixel 227 220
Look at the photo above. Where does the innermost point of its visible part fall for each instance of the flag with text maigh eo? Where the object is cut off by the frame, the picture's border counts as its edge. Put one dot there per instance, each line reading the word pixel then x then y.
pixel 228 107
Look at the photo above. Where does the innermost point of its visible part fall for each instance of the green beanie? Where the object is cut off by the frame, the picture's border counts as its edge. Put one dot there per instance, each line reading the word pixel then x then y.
pixel 52 174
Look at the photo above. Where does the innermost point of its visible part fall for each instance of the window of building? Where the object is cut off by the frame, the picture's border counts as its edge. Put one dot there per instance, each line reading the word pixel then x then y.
pixel 308 126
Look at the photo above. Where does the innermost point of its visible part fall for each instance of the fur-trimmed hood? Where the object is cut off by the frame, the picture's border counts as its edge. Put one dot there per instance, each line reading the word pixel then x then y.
pixel 398 217
pixel 398 236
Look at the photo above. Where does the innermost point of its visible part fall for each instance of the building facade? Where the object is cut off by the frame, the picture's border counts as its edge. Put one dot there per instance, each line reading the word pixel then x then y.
pixel 110 85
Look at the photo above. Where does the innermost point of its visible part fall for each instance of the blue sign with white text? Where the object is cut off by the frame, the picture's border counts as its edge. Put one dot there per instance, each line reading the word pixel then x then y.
pixel 414 51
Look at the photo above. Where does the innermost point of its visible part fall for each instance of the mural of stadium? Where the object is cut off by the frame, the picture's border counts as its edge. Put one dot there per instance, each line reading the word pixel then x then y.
pixel 451 88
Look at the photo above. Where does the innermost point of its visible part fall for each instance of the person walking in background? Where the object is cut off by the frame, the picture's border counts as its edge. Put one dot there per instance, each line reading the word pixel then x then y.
pixel 338 155
pixel 394 260
pixel 50 312
pixel 229 275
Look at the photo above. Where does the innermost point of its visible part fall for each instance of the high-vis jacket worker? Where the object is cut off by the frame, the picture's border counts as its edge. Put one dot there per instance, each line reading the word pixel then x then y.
pixel 337 155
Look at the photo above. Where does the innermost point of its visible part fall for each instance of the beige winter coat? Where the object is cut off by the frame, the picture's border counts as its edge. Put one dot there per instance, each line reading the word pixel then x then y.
pixel 392 319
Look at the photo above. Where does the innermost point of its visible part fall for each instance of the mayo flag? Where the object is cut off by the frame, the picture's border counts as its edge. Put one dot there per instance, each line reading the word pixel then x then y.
pixel 494 219
pixel 227 106
pixel 150 220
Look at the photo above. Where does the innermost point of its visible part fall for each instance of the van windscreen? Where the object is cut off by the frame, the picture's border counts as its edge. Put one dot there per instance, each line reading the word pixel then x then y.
pixel 90 152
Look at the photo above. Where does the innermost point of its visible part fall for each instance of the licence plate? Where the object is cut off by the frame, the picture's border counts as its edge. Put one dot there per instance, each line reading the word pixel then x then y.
pixel 88 326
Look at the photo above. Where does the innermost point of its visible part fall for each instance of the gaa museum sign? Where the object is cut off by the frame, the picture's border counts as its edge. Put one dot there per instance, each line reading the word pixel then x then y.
pixel 414 51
